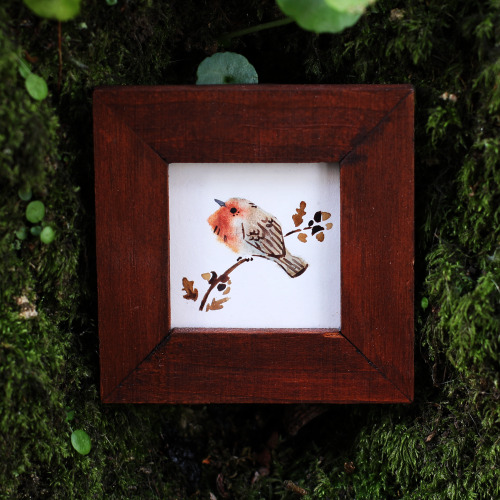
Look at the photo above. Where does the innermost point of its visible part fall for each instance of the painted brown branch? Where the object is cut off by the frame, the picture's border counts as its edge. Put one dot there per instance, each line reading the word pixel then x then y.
pixel 297 231
pixel 221 279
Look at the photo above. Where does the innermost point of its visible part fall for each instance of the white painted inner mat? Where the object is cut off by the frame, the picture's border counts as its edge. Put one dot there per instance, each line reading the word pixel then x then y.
pixel 290 280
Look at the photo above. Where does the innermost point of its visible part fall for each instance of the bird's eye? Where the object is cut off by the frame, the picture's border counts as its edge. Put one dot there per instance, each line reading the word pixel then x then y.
pixel 233 210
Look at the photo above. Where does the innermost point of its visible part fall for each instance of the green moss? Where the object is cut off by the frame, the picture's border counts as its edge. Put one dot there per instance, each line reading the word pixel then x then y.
pixel 444 445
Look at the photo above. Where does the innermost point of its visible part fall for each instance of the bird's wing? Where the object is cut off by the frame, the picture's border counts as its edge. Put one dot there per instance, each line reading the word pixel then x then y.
pixel 265 235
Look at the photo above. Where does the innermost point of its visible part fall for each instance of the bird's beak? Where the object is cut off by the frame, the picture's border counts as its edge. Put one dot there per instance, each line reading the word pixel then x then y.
pixel 221 203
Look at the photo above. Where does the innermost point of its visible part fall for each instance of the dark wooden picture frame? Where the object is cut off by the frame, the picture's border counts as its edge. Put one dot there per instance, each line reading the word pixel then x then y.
pixel 368 130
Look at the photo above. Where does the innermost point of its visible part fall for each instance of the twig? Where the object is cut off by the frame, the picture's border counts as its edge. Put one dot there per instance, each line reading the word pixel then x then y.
pixel 222 279
pixel 255 29
pixel 59 47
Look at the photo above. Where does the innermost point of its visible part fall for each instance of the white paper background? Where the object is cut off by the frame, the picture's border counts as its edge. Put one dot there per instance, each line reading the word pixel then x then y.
pixel 262 295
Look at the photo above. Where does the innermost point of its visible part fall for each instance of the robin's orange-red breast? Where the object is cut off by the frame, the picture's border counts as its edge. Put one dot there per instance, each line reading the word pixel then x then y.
pixel 247 229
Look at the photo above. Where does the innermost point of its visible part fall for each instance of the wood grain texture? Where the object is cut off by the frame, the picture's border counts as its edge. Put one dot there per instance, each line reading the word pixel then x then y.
pixel 377 246
pixel 253 123
pixel 368 129
pixel 132 248
pixel 203 366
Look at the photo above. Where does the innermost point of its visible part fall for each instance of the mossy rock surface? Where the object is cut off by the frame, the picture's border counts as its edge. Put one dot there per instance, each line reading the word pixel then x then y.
pixel 444 445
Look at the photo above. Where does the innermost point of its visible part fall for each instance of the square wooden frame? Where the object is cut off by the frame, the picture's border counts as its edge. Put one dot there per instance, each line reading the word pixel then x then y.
pixel 368 130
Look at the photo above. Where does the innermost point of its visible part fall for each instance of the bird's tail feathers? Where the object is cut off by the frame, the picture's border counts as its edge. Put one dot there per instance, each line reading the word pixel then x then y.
pixel 292 265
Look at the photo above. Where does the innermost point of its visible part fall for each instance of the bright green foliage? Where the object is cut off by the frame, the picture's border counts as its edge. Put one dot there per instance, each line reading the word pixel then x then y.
pixel 225 67
pixel 357 6
pixel 47 235
pixel 35 211
pixel 321 16
pixel 36 87
pixel 62 10
pixel 80 441
pixel 27 128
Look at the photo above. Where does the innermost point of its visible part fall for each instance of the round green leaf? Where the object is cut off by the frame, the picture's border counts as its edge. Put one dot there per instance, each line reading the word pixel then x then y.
pixel 35 211
pixel 62 10
pixel 317 15
pixel 111 2
pixel 36 87
pixel 22 233
pixel 226 67
pixel 47 235
pixel 25 193
pixel 424 303
pixel 81 442
pixel 36 230
pixel 353 6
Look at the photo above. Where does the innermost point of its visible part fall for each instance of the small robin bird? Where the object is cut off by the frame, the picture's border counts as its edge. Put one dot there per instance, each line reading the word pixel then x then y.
pixel 247 229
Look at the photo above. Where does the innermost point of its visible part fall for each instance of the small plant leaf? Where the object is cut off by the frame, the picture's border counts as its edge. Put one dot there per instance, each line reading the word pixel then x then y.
pixel 424 303
pixel 62 10
pixel 216 304
pixel 354 6
pixel 111 2
pixel 191 291
pixel 318 15
pixel 47 235
pixel 24 68
pixel 302 237
pixel 35 211
pixel 298 218
pixel 25 193
pixel 22 233
pixel 36 87
pixel 36 230
pixel 81 442
pixel 70 414
pixel 225 67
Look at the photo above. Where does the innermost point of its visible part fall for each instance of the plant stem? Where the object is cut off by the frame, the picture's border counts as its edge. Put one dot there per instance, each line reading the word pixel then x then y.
pixel 259 27
pixel 222 279
pixel 59 47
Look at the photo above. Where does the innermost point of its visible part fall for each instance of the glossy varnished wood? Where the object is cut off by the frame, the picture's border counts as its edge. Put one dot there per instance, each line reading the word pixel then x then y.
pixel 368 129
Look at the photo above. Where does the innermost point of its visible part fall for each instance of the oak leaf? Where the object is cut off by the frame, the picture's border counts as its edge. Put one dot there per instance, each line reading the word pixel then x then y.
pixel 191 291
pixel 298 218
pixel 216 304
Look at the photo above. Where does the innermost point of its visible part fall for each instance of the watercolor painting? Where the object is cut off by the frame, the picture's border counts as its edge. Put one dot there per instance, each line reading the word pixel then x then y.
pixel 249 231
pixel 262 253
